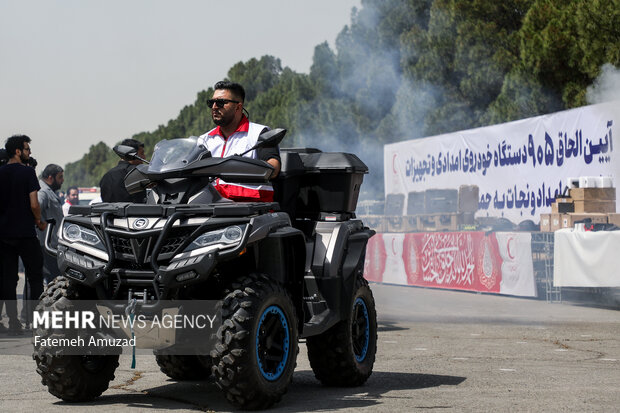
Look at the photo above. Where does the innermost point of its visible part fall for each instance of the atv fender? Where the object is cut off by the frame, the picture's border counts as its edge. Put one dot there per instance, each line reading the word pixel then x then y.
pixel 338 253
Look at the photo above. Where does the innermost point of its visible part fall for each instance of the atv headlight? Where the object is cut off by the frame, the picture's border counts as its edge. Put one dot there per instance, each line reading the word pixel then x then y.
pixel 76 233
pixel 221 238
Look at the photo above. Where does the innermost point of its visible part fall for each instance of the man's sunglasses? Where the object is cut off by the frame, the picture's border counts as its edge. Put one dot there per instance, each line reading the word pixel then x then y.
pixel 220 102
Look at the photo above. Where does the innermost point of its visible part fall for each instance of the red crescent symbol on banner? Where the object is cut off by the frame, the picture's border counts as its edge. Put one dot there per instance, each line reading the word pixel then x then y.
pixel 511 239
pixel 394 163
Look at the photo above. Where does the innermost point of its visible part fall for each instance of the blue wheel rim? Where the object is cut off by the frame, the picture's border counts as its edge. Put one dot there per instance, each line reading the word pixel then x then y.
pixel 360 330
pixel 272 343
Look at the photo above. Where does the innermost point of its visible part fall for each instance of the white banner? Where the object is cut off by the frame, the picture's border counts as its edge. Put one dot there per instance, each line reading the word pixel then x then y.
pixel 518 166
pixel 586 258
pixel 517 264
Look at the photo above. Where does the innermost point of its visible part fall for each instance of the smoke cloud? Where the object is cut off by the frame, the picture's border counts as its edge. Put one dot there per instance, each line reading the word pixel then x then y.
pixel 606 87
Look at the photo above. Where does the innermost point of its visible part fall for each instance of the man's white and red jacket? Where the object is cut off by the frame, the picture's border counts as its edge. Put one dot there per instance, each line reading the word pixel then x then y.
pixel 238 142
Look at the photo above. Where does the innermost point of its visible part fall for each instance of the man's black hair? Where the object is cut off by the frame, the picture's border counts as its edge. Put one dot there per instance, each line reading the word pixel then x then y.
pixel 235 88
pixel 14 143
pixel 32 162
pixel 136 144
pixel 51 170
pixel 72 187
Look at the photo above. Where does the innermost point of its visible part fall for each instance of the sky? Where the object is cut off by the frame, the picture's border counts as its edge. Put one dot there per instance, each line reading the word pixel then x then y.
pixel 77 72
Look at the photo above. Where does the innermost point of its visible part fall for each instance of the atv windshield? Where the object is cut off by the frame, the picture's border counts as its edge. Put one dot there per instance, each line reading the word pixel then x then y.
pixel 175 154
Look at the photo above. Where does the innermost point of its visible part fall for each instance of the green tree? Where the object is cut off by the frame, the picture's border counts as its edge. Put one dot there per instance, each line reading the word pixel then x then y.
pixel 89 170
pixel 460 55
pixel 563 45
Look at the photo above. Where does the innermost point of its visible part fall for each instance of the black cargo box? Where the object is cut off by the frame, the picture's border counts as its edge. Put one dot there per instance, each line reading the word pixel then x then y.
pixel 330 181
pixel 416 203
pixel 394 204
pixel 440 201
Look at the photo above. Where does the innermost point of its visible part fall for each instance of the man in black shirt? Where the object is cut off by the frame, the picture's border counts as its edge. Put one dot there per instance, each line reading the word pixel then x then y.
pixel 113 182
pixel 19 213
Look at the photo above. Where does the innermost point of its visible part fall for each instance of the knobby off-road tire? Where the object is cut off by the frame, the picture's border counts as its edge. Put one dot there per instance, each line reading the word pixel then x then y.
pixel 345 354
pixel 185 367
pixel 71 378
pixel 256 350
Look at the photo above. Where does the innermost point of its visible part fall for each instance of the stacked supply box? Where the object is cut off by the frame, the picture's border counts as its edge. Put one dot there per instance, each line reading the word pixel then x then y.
pixel 563 205
pixel 394 207
pixel 438 210
pixel 416 203
pixel 614 219
pixel 596 204
pixel 469 196
pixel 429 210
pixel 569 220
pixel 550 222
pixel 602 200
pixel 441 201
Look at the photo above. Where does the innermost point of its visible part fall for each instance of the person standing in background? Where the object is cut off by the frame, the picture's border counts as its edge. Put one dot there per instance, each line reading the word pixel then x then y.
pixel 73 198
pixel 51 180
pixel 113 182
pixel 19 213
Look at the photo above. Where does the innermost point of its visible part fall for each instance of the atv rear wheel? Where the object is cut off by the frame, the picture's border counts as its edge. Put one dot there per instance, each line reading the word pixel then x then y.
pixel 344 355
pixel 255 356
pixel 72 378
pixel 184 367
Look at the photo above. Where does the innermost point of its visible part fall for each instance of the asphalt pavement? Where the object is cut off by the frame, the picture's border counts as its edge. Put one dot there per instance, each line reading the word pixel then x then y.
pixel 437 350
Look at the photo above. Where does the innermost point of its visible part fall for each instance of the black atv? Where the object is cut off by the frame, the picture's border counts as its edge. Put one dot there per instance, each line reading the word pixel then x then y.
pixel 281 271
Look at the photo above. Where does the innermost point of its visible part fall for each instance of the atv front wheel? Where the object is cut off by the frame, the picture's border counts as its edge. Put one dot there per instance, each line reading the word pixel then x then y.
pixel 76 378
pixel 345 354
pixel 255 356
pixel 72 378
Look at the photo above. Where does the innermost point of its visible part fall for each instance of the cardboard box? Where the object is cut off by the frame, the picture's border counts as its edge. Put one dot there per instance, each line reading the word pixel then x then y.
pixel 545 222
pixel 563 206
pixel 614 219
pixel 568 220
pixel 590 194
pixel 594 206
pixel 555 221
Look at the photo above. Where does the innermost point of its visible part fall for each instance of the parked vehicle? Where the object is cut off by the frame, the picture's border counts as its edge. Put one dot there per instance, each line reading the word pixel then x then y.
pixel 282 271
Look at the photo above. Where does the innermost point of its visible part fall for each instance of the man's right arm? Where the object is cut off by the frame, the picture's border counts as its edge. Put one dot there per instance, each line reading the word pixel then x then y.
pixel 36 211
